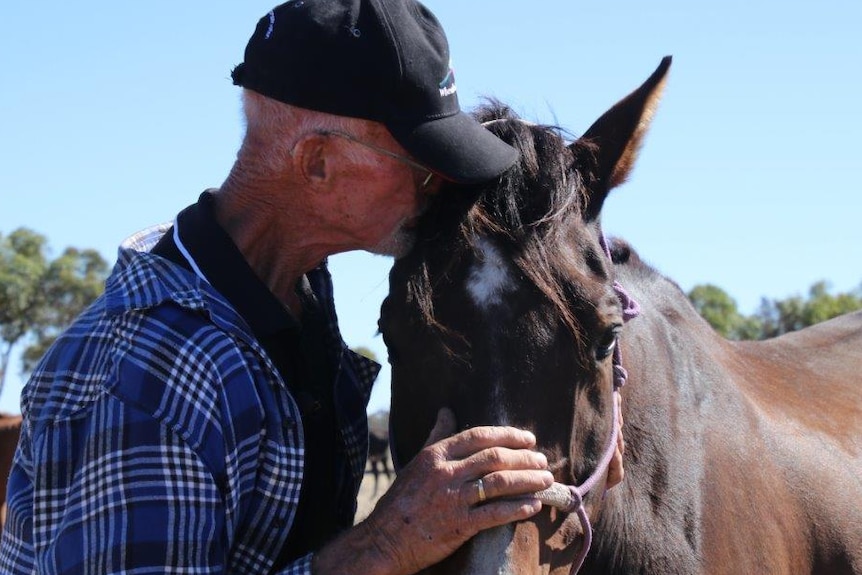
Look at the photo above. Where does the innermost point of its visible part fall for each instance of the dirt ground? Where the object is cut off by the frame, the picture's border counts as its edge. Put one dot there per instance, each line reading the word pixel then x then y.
pixel 367 498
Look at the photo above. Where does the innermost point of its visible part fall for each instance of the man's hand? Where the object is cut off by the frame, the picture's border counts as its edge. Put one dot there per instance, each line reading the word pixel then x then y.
pixel 435 505
pixel 616 472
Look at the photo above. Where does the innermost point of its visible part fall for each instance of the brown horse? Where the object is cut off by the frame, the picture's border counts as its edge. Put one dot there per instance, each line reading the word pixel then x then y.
pixel 741 457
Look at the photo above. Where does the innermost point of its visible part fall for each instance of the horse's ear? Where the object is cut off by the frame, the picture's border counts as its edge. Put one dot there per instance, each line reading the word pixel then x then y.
pixel 613 141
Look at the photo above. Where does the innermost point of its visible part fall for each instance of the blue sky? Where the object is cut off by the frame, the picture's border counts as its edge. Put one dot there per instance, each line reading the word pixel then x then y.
pixel 117 115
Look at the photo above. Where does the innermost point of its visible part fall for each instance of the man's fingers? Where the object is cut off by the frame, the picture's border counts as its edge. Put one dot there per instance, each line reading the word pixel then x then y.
pixel 616 470
pixel 494 459
pixel 500 511
pixel 476 439
pixel 444 427
pixel 503 484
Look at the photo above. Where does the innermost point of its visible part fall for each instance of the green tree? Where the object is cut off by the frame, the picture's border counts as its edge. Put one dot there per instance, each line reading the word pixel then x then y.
pixel 40 297
pixel 720 311
pixel 774 317
pixel 782 316
pixel 22 265
pixel 365 352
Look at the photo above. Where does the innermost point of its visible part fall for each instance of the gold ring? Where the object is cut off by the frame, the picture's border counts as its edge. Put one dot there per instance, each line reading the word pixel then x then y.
pixel 480 485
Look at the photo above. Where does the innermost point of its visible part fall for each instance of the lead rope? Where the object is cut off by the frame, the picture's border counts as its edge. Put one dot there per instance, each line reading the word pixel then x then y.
pixel 570 498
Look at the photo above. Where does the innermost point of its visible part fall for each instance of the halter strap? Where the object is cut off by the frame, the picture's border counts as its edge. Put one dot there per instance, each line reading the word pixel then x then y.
pixel 570 498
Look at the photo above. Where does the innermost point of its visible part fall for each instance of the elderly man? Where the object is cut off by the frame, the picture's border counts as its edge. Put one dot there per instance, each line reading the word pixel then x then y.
pixel 204 415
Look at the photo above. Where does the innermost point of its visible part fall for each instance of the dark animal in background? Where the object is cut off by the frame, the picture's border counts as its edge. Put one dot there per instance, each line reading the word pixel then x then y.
pixel 378 458
pixel 10 430
pixel 741 457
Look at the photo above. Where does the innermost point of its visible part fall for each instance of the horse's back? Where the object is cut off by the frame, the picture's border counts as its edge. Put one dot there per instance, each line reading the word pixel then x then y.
pixel 813 375
pixel 806 388
pixel 779 429
pixel 831 347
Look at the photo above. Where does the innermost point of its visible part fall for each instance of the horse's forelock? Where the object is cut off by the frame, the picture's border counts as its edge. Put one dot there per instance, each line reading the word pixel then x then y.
pixel 528 209
pixel 534 203
pixel 540 189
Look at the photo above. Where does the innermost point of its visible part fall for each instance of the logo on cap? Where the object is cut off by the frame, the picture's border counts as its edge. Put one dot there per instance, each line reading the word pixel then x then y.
pixel 271 24
pixel 447 86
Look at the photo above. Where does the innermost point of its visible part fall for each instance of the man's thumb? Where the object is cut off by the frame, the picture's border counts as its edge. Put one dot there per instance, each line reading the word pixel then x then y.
pixel 444 427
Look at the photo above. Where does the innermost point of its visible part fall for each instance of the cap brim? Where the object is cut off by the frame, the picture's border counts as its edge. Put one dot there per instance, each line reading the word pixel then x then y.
pixel 458 148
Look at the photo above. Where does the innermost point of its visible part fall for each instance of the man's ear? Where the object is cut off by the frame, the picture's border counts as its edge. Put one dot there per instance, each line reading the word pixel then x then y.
pixel 310 158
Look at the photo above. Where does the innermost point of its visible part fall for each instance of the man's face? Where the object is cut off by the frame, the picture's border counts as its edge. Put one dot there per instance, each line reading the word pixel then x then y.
pixel 384 196
pixel 403 235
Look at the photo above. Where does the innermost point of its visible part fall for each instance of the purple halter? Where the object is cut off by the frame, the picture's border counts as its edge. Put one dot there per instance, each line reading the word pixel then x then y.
pixel 570 498
pixel 631 309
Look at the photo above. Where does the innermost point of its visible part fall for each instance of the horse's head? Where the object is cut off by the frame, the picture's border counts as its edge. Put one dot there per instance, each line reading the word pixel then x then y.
pixel 505 311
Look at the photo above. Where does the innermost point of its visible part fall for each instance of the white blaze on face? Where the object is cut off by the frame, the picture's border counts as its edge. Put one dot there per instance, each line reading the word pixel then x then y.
pixel 489 278
pixel 488 282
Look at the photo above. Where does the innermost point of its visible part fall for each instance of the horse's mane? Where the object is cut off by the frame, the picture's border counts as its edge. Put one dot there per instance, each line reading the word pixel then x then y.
pixel 524 210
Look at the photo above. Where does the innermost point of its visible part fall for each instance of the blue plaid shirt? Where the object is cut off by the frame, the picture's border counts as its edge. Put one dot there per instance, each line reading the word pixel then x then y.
pixel 159 438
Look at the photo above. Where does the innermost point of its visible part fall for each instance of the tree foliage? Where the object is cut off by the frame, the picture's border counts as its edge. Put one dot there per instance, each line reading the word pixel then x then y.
pixel 774 317
pixel 40 296
pixel 366 351
pixel 720 311
pixel 791 314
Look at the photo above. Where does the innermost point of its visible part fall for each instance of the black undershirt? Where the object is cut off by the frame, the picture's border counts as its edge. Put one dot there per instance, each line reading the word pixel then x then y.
pixel 297 349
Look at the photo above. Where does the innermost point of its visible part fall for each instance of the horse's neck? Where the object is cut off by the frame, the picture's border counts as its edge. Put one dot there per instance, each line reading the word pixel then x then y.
pixel 670 355
pixel 668 334
pixel 706 418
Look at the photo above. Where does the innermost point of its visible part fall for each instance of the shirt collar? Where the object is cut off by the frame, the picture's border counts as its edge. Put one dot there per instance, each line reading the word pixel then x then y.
pixel 225 268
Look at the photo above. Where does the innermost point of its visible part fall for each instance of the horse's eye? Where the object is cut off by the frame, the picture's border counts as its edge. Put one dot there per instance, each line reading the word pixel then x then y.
pixel 607 343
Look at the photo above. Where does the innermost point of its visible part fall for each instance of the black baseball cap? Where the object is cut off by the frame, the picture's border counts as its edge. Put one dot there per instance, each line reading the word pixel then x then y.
pixel 380 60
